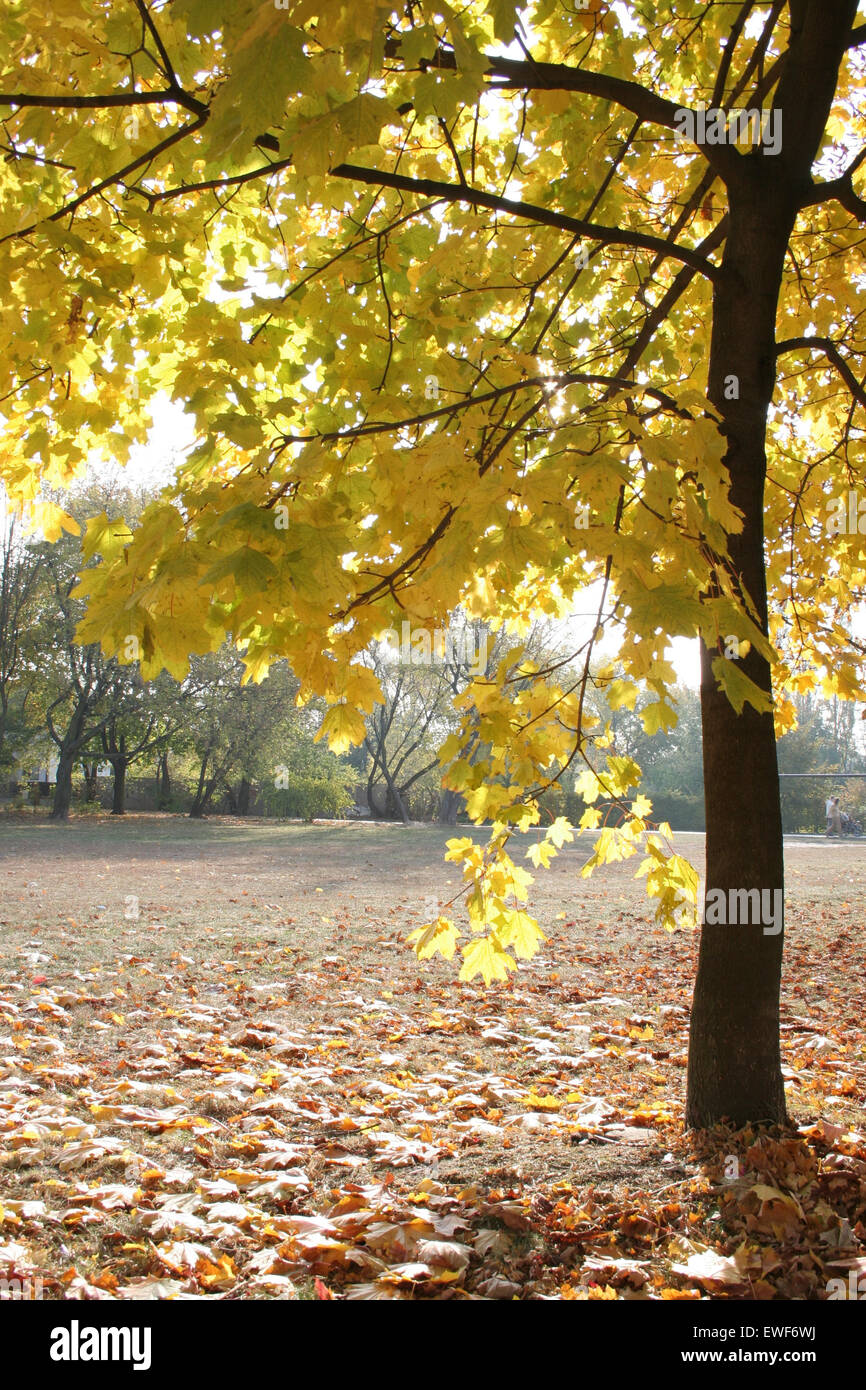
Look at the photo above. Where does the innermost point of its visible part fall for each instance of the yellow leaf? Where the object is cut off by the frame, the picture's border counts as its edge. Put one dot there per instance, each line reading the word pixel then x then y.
pixel 487 959
pixel 519 931
pixel 541 854
pixel 342 726
pixel 440 936
pixel 52 521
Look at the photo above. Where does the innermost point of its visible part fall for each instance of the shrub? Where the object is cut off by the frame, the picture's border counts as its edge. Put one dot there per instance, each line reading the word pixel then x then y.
pixel 307 798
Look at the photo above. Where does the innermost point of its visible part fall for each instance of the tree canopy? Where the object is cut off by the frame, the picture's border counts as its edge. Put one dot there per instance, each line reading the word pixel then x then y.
pixel 485 306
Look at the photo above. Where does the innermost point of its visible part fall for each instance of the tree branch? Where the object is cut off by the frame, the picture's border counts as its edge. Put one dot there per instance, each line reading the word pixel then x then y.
pixel 75 203
pixel 660 313
pixel 728 54
pixel 463 192
pixel 833 355
pixel 59 101
pixel 147 19
pixel 842 189
pixel 555 383
pixel 535 76
pixel 212 185
pixel 460 193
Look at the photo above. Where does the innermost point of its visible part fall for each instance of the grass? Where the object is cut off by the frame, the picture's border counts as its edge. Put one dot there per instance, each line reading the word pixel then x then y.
pixel 319 886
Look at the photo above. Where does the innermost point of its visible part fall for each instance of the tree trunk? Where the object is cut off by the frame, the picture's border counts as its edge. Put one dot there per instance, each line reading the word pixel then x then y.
pixel 118 798
pixel 91 782
pixel 396 805
pixel 243 798
pixel 63 787
pixel 449 806
pixel 734 1053
pixel 163 791
pixel 734 1059
pixel 394 801
pixel 199 801
pixel 203 796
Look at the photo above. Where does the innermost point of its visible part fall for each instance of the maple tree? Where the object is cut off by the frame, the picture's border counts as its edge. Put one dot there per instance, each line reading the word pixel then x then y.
pixel 465 313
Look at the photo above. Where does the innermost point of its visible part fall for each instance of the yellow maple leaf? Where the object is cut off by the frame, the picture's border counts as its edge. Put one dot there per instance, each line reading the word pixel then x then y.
pixel 342 726
pixel 440 935
pixel 486 957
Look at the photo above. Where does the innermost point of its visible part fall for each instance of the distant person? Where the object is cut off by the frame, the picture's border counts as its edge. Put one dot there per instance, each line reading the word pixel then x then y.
pixel 828 811
pixel 835 818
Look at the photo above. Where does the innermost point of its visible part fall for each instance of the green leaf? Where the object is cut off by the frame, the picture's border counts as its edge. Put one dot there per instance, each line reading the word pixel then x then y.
pixel 247 567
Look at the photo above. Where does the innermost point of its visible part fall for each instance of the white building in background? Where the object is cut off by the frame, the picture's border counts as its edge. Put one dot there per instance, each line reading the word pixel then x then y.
pixel 45 769
pixel 37 766
pixel 34 767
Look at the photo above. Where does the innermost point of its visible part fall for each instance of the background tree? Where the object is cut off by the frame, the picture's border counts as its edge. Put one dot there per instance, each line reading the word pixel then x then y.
pixel 671 759
pixel 300 776
pixel 397 738
pixel 826 737
pixel 21 569
pixel 234 730
pixel 420 674
pixel 152 716
pixel 477 272
pixel 89 688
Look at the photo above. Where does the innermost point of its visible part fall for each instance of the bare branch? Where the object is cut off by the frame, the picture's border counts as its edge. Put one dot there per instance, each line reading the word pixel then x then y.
pixel 728 54
pixel 168 70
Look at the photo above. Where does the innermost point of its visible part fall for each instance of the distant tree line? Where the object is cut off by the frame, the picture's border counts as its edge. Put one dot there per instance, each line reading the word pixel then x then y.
pixel 827 740
pixel 212 744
